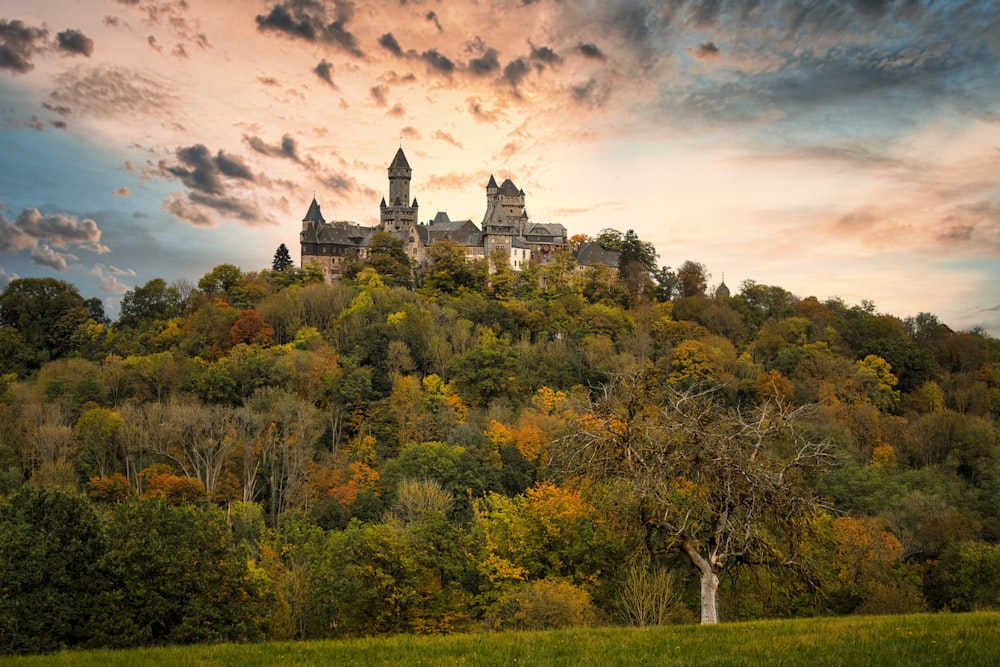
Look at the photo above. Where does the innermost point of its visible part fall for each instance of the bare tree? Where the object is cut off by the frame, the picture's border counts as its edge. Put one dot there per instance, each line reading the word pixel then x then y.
pixel 718 484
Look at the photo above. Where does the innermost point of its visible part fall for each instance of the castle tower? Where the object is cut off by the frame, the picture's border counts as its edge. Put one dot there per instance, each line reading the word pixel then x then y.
pixel 399 179
pixel 398 214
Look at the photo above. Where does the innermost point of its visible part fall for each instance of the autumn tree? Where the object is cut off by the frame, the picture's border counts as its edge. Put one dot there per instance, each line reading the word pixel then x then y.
pixel 720 485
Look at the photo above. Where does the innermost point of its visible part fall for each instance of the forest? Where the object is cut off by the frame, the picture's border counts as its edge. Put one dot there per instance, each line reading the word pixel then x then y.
pixel 262 455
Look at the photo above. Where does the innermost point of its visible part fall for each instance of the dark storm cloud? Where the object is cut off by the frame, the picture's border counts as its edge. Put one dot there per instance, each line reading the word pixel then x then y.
pixel 389 43
pixel 515 71
pixel 205 172
pixel 543 54
pixel 707 51
pixel 311 21
pixel 438 62
pixel 488 63
pixel 18 42
pixel 75 41
pixel 288 148
pixel 590 51
pixel 324 71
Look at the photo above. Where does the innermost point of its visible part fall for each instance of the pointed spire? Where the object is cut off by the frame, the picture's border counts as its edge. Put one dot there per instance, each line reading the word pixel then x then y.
pixel 492 183
pixel 314 214
pixel 399 162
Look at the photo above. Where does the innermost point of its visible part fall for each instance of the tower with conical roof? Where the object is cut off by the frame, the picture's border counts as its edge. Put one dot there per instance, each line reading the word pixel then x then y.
pixel 398 215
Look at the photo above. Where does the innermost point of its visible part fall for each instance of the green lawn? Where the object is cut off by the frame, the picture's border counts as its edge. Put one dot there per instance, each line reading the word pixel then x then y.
pixel 939 639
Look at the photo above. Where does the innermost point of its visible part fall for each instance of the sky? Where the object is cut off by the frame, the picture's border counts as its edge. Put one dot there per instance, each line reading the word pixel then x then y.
pixel 839 149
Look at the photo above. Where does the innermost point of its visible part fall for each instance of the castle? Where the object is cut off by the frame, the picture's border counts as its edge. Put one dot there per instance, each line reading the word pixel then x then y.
pixel 505 229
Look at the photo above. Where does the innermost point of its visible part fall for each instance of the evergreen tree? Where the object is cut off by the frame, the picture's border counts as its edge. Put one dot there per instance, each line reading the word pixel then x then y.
pixel 282 259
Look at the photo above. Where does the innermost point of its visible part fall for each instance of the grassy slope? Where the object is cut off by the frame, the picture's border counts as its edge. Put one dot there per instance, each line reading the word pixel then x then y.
pixel 941 639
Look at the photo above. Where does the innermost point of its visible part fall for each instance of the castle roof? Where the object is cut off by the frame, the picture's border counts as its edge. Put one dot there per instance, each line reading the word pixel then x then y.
pixel 313 214
pixel 508 188
pixel 590 253
pixel 492 183
pixel 337 233
pixel 399 162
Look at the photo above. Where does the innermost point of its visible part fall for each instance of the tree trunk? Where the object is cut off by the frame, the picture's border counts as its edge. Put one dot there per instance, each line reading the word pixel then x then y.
pixel 709 585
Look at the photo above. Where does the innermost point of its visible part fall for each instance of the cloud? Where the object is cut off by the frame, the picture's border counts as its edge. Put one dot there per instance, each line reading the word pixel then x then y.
pixel 124 193
pixel 479 112
pixel 543 55
pixel 324 71
pixel 310 20
pixel 43 255
pixel 108 278
pixel 707 51
pixel 112 92
pixel 40 233
pixel 75 41
pixel 389 43
pixel 488 63
pixel 287 148
pixel 590 51
pixel 433 18
pixel 437 62
pixel 6 278
pixel 515 71
pixel 446 137
pixel 18 43
pixel 378 94
pixel 204 172
pixel 210 180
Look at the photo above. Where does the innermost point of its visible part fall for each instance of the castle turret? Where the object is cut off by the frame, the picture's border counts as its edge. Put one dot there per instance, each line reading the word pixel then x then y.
pixel 399 179
pixel 398 216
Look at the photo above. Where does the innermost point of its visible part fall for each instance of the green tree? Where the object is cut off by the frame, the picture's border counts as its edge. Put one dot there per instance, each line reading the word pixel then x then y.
pixel 45 313
pixel 282 259
pixel 153 301
pixel 387 256
pixel 97 430
pixel 449 272
pixel 179 579
pixel 53 591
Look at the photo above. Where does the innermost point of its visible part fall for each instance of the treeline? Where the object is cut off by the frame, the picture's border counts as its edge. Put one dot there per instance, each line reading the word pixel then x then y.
pixel 263 455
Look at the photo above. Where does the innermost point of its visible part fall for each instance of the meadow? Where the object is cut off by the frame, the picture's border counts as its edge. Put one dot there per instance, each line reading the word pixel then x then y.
pixel 911 640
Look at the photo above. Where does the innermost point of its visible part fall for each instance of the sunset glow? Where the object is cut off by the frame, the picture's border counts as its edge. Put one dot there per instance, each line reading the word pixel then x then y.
pixel 842 149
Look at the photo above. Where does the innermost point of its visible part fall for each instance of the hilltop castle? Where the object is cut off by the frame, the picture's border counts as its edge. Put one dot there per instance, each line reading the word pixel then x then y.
pixel 505 227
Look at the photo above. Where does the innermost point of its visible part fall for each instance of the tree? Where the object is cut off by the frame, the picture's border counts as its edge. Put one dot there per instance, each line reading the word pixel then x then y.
pixel 449 272
pixel 51 584
pixel 636 259
pixel 692 279
pixel 45 312
pixel 179 577
pixel 720 485
pixel 387 256
pixel 282 259
pixel 153 301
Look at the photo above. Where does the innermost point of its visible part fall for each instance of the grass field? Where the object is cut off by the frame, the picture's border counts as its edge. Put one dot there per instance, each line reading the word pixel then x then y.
pixel 939 639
